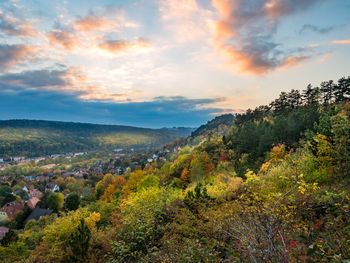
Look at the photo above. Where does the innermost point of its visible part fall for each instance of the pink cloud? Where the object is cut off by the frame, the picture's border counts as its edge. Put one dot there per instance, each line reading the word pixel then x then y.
pixel 12 55
pixel 67 40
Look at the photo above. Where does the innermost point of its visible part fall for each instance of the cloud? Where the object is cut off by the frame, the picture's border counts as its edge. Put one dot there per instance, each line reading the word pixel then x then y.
pixel 186 19
pixel 11 55
pixel 93 23
pixel 65 80
pixel 49 105
pixel 316 29
pixel 117 46
pixel 245 30
pixel 341 42
pixel 36 79
pixel 13 27
pixel 109 20
pixel 65 39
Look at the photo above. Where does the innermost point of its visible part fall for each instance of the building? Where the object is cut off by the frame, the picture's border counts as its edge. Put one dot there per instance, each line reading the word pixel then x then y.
pixel 52 187
pixel 3 231
pixel 32 202
pixel 37 213
pixel 12 209
pixel 35 193
pixel 3 217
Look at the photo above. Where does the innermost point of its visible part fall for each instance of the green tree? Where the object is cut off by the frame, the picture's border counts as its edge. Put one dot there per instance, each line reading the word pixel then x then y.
pixel 55 201
pixel 6 195
pixel 72 201
pixel 79 243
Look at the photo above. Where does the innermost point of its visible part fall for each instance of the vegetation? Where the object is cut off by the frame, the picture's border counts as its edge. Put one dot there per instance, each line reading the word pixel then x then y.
pixel 273 188
pixel 36 138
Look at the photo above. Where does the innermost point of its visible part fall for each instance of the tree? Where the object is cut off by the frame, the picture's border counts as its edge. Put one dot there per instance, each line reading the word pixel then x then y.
pixel 311 95
pixel 79 243
pixel 6 195
pixel 341 135
pixel 55 201
pixel 72 201
pixel 103 184
pixel 327 90
pixel 342 90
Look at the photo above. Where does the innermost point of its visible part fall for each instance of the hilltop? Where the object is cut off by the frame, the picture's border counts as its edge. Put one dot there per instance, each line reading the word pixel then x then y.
pixel 38 137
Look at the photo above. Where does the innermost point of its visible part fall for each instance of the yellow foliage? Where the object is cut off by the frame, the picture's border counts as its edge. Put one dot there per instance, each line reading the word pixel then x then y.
pixel 251 177
pixel 92 219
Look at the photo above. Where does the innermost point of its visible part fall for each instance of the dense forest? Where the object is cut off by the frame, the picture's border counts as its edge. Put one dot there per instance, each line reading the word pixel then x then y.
pixel 36 138
pixel 270 185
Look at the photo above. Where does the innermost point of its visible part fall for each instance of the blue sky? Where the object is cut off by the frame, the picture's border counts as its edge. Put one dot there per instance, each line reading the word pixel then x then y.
pixel 156 63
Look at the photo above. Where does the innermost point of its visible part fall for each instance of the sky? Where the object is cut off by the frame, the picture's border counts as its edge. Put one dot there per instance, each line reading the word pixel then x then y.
pixel 163 63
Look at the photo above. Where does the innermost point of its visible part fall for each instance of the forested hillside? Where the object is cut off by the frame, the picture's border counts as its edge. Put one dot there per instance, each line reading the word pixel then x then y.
pixel 275 187
pixel 35 138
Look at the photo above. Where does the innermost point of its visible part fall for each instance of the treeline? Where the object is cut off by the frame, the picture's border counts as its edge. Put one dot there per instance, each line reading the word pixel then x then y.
pixel 285 120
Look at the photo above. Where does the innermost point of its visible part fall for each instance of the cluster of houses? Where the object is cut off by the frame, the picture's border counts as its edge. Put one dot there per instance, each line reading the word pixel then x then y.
pixel 10 210
pixel 20 159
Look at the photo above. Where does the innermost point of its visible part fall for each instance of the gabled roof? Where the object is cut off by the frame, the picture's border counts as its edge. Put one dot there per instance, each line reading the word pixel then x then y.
pixel 39 212
pixel 32 202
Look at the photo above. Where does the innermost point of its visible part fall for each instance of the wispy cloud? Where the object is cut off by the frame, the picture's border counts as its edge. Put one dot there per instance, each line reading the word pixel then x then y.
pixel 186 19
pixel 12 26
pixel 341 42
pixel 117 46
pixel 65 39
pixel 316 29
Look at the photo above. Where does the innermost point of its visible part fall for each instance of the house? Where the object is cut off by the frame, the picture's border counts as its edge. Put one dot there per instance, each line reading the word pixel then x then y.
pixel 3 231
pixel 19 158
pixel 35 193
pixel 32 202
pixel 12 209
pixel 29 178
pixel 37 213
pixel 52 187
pixel 3 217
pixel 79 154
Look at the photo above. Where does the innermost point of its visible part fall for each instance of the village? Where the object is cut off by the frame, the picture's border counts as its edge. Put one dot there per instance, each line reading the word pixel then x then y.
pixel 27 183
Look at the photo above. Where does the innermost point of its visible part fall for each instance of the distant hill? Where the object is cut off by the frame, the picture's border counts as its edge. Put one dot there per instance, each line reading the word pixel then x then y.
pixel 36 137
pixel 218 125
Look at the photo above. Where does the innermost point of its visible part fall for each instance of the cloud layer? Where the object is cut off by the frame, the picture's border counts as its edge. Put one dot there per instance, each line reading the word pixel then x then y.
pixel 159 112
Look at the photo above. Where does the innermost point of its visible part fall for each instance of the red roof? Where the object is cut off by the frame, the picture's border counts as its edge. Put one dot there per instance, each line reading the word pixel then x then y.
pixel 12 209
pixel 32 202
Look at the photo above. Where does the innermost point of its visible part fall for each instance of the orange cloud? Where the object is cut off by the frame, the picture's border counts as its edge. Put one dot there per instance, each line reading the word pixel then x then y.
pixel 342 42
pixel 117 46
pixel 93 23
pixel 244 31
pixel 65 39
pixel 11 55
